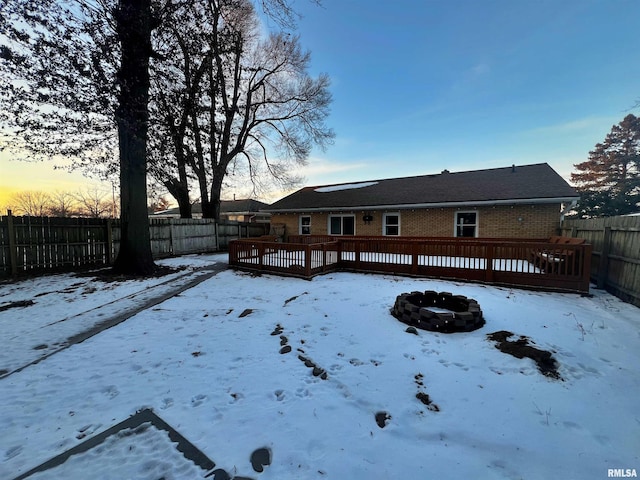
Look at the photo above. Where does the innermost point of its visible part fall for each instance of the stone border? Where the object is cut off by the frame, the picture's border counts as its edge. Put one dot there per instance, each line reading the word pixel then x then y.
pixel 412 308
pixel 189 450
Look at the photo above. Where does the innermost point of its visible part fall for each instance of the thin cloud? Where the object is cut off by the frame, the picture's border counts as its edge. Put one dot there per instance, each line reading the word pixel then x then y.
pixel 574 126
pixel 480 69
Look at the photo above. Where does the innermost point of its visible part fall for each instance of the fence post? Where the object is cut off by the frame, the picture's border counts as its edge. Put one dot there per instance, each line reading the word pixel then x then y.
pixel 603 264
pixel 172 246
pixel 109 242
pixel 586 273
pixel 13 253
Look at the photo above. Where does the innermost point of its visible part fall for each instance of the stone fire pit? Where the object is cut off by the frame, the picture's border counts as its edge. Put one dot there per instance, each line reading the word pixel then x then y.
pixel 438 312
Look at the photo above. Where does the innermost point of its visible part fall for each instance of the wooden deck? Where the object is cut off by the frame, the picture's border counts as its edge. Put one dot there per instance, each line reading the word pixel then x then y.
pixel 493 261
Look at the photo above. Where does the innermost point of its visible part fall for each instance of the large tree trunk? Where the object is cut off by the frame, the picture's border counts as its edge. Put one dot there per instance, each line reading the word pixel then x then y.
pixel 180 192
pixel 134 25
pixel 214 199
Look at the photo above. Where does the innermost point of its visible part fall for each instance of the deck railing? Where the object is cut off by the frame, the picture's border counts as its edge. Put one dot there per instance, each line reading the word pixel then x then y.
pixel 520 262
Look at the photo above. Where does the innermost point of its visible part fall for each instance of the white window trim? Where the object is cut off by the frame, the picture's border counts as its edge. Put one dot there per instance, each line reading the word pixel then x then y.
pixel 330 216
pixel 300 224
pixel 384 223
pixel 455 223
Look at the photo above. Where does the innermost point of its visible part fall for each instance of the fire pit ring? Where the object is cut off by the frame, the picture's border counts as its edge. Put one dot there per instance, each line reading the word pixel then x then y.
pixel 463 314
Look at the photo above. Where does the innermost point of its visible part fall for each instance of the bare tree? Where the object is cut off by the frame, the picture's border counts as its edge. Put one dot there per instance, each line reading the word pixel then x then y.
pixel 63 204
pixel 247 105
pixel 158 204
pixel 74 82
pixel 94 202
pixel 134 21
pixel 58 63
pixel 33 203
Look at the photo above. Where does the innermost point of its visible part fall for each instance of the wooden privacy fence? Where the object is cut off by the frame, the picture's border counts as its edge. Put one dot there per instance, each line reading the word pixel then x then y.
pixel 41 244
pixel 615 262
pixel 496 261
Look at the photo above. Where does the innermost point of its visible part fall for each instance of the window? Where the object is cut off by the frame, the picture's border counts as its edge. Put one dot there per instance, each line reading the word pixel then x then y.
pixel 305 225
pixel 342 225
pixel 391 224
pixel 466 224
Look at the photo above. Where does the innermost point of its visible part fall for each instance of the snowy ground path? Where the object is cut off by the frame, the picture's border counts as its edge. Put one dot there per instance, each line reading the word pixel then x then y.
pixel 42 330
pixel 229 364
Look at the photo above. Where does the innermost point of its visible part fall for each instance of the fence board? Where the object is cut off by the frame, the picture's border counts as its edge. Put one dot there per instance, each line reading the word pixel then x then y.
pixel 40 244
pixel 615 262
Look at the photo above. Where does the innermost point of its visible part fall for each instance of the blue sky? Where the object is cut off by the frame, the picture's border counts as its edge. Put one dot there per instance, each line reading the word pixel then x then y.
pixel 420 86
pixel 424 85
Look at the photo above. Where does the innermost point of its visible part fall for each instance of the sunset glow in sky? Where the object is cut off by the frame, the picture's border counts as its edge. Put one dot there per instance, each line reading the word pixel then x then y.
pixel 421 86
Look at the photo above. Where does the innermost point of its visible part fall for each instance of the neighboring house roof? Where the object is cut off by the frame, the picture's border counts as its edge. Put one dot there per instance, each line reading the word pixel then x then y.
pixel 242 206
pixel 537 183
pixel 227 207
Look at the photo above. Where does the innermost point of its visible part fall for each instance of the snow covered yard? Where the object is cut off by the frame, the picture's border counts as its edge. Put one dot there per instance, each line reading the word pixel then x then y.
pixel 228 364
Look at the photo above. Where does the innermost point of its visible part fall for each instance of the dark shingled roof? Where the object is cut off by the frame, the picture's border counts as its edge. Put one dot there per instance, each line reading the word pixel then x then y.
pixel 246 205
pixel 538 183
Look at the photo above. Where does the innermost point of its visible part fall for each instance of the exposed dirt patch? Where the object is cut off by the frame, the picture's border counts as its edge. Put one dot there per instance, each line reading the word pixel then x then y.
pixel 109 275
pixel 278 330
pixel 382 418
pixel 259 459
pixel 521 348
pixel 426 400
pixel 294 298
pixel 315 369
pixel 16 304
pixel 422 396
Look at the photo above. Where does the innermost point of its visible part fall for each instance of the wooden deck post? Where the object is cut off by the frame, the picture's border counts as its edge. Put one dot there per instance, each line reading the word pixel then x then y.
pixel 489 266
pixel 307 261
pixel 260 246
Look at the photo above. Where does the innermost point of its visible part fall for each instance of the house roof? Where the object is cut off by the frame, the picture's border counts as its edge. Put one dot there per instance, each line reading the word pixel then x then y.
pixel 227 207
pixel 247 205
pixel 537 183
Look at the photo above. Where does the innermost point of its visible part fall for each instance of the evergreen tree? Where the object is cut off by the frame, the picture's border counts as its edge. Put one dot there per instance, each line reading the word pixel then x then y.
pixel 609 182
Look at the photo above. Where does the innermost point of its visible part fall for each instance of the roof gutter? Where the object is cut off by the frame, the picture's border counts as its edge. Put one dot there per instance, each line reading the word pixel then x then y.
pixel 482 203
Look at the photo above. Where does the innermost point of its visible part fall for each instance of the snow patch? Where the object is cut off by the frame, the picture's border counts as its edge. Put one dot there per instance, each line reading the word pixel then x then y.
pixel 346 186
pixel 224 381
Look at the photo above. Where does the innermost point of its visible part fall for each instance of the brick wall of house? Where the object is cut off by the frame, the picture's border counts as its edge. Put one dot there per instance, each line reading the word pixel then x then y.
pixel 504 221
